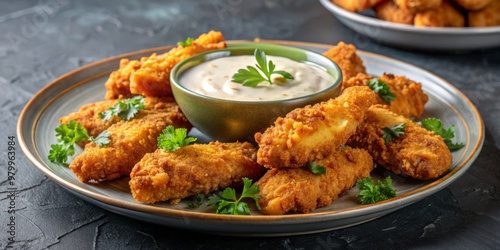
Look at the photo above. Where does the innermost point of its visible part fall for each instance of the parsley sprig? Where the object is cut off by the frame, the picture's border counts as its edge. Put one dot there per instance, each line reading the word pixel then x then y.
pixel 125 109
pixel 251 76
pixel 435 125
pixel 172 138
pixel 67 136
pixel 197 201
pixel 391 133
pixel 187 42
pixel 313 166
pixel 382 89
pixel 372 192
pixel 226 202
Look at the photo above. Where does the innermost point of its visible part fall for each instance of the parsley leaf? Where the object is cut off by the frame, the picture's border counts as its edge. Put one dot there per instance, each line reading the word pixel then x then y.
pixel 252 77
pixel 391 133
pixel 102 139
pixel 125 109
pixel 187 42
pixel 435 125
pixel 226 201
pixel 197 201
pixel 382 89
pixel 371 192
pixel 313 166
pixel 172 138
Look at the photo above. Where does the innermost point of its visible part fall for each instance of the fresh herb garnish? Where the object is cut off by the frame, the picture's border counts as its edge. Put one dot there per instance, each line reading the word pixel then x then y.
pixel 313 166
pixel 125 109
pixel 67 136
pixel 197 201
pixel 391 133
pixel 252 77
pixel 435 125
pixel 226 201
pixel 187 42
pixel 371 192
pixel 382 89
pixel 172 138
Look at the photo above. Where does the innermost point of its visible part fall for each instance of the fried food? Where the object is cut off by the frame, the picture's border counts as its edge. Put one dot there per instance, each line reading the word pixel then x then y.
pixel 391 12
pixel 313 132
pixel 151 75
pixel 445 15
pixel 193 169
pixel 355 6
pixel 345 56
pixel 473 4
pixel 88 115
pixel 286 190
pixel 410 98
pixel 130 141
pixel 489 16
pixel 417 153
pixel 418 5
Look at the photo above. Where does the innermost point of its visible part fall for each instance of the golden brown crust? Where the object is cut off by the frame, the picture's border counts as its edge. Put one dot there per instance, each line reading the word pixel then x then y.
pixel 417 153
pixel 299 190
pixel 358 5
pixel 347 59
pixel 313 132
pixel 418 5
pixel 445 15
pixel 391 12
pixel 194 169
pixel 488 16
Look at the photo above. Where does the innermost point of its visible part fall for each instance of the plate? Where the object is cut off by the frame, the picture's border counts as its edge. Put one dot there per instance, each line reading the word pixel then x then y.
pixel 66 94
pixel 407 36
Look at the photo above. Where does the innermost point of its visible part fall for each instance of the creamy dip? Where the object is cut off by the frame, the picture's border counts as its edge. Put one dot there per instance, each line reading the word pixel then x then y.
pixel 213 78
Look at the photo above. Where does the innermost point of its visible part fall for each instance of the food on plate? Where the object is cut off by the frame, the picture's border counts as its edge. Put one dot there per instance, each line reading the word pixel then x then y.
pixel 371 191
pixel 473 4
pixel 445 15
pixel 151 75
pixel 193 169
pixel 409 100
pixel 285 190
pixel 358 5
pixel 418 5
pixel 389 11
pixel 129 142
pixel 346 58
pixel 488 16
pixel 313 132
pixel 402 146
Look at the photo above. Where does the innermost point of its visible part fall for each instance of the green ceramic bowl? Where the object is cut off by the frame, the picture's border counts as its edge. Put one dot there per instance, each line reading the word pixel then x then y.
pixel 230 120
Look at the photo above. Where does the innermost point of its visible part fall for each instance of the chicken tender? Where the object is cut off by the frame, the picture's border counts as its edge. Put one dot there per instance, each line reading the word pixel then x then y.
pixel 473 4
pixel 130 141
pixel 356 5
pixel 489 16
pixel 193 169
pixel 417 153
pixel 345 56
pixel 418 5
pixel 313 132
pixel 391 12
pixel 286 190
pixel 151 75
pixel 410 98
pixel 88 115
pixel 445 15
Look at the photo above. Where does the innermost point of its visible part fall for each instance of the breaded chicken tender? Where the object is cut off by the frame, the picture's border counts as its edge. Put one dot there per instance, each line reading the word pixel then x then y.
pixel 418 5
pixel 151 75
pixel 286 190
pixel 193 169
pixel 88 115
pixel 391 12
pixel 356 5
pixel 473 4
pixel 313 132
pixel 345 56
pixel 445 15
pixel 129 142
pixel 410 98
pixel 417 153
pixel 488 16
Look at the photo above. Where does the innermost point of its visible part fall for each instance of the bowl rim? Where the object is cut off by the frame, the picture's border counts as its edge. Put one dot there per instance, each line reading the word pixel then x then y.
pixel 337 83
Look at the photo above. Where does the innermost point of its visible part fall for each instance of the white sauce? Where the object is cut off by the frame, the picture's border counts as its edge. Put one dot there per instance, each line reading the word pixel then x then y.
pixel 213 78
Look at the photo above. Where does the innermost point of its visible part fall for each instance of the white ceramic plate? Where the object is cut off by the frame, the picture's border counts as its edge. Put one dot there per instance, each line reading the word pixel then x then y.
pixel 407 36
pixel 66 94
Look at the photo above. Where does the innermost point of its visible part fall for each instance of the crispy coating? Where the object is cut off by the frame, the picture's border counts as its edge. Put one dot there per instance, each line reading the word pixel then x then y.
pixel 286 190
pixel 345 56
pixel 88 115
pixel 417 153
pixel 130 141
pixel 418 5
pixel 356 5
pixel 391 12
pixel 151 75
pixel 489 16
pixel 193 169
pixel 445 15
pixel 410 98
pixel 473 4
pixel 313 132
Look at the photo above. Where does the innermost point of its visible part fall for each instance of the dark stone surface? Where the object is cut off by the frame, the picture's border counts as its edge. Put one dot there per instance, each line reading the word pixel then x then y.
pixel 41 40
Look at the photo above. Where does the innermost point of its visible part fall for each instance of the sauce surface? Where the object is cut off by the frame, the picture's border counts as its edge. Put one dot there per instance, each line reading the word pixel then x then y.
pixel 213 78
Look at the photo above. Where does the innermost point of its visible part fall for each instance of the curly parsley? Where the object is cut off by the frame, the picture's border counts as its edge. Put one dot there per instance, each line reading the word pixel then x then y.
pixel 172 138
pixel 371 192
pixel 125 109
pixel 226 202
pixel 435 125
